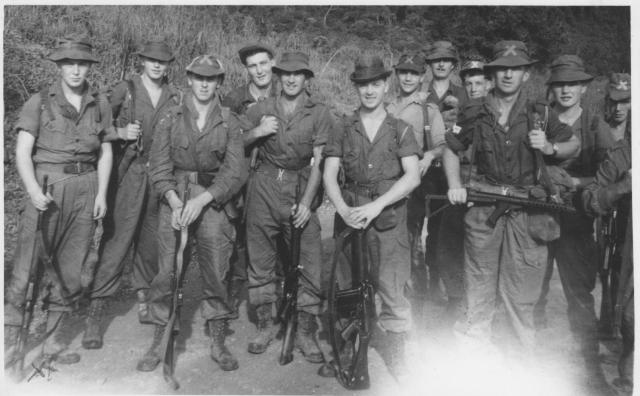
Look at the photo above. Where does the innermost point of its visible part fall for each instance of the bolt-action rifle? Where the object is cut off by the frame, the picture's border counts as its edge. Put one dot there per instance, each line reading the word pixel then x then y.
pixel 608 246
pixel 172 327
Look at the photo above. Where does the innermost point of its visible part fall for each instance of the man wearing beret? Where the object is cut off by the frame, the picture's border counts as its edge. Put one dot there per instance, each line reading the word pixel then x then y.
pixel 287 158
pixel 508 260
pixel 428 128
pixel 198 143
pixel 618 106
pixel 64 134
pixel 379 155
pixel 133 221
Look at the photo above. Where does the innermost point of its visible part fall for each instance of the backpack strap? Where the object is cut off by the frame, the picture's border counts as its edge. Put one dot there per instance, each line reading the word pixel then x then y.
pixel 45 103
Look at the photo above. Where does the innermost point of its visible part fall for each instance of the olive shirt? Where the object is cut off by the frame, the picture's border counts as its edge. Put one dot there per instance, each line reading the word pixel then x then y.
pixel 291 147
pixel 413 110
pixel 503 154
pixel 179 145
pixel 71 136
pixel 240 99
pixel 454 90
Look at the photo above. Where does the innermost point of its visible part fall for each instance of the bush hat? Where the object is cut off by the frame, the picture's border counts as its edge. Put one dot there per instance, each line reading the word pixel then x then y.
pixel 619 87
pixel 156 49
pixel 293 62
pixel 510 53
pixel 568 68
pixel 72 48
pixel 253 48
pixel 442 50
pixel 369 69
pixel 411 61
pixel 206 65
pixel 472 65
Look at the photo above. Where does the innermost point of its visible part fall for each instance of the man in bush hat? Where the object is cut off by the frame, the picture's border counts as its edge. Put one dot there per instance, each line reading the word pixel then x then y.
pixel 379 155
pixel 474 80
pixel 198 143
pixel 258 61
pixel 618 105
pixel 288 157
pixel 442 58
pixel 428 127
pixel 507 260
pixel 64 134
pixel 578 268
pixel 137 104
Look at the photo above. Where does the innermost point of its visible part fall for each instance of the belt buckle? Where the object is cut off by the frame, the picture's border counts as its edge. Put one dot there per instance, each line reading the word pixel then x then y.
pixel 280 174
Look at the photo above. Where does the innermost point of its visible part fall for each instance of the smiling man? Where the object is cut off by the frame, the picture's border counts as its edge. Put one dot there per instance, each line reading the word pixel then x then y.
pixel 288 157
pixel 618 105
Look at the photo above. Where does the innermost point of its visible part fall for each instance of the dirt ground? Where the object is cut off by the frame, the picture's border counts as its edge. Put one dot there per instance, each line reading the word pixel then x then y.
pixel 435 366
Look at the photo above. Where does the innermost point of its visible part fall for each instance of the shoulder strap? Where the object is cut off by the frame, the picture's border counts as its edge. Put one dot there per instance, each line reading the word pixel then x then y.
pixel 45 103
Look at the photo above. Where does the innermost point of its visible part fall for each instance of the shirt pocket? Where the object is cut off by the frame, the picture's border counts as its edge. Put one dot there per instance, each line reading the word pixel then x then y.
pixel 179 143
pixel 218 143
pixel 52 134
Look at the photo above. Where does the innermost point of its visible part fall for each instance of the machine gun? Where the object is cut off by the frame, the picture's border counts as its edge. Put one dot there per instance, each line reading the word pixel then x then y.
pixel 608 246
pixel 172 327
pixel 288 307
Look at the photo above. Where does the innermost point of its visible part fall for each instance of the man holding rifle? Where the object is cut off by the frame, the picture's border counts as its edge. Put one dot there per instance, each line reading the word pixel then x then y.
pixel 199 141
pixel 509 257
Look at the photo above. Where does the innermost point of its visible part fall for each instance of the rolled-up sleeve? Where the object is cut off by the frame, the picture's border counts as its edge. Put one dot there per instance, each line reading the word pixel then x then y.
pixel 160 161
pixel 408 146
pixel 233 173
pixel 29 118
pixel 335 139
pixel 324 126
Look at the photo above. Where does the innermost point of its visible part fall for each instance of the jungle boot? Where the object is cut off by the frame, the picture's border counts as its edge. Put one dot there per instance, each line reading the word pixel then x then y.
pixel 56 344
pixel 92 338
pixel 266 330
pixel 152 357
pixel 306 340
pixel 219 352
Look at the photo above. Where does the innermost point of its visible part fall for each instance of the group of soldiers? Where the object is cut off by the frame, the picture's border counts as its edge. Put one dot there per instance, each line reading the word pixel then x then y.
pixel 253 163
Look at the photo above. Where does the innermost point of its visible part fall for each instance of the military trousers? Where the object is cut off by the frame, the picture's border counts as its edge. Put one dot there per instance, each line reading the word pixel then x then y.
pixel 214 239
pixel 270 198
pixel 503 262
pixel 133 221
pixel 67 230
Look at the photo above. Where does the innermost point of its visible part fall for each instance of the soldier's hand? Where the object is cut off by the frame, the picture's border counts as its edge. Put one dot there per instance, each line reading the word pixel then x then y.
pixel 364 215
pixel 175 218
pixel 40 200
pixel 457 195
pixel 301 214
pixel 99 207
pixel 538 140
pixel 192 210
pixel 130 132
pixel 268 125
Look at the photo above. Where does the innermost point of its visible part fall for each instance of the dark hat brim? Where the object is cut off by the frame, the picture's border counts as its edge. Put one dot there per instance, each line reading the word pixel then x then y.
pixel 617 95
pixel 441 55
pixel 410 66
pixel 511 61
pixel 292 68
pixel 569 76
pixel 368 77
pixel 244 52
pixel 206 71
pixel 72 54
pixel 157 55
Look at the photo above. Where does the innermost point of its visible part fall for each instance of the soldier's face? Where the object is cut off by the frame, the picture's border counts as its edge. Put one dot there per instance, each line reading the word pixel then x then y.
pixel 622 110
pixel 154 68
pixel 74 72
pixel 409 81
pixel 293 83
pixel 372 93
pixel 442 68
pixel 508 80
pixel 476 85
pixel 568 94
pixel 203 87
pixel 259 69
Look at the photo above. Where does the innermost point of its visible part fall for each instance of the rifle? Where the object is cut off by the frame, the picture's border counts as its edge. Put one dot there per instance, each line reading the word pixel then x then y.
pixel 172 327
pixel 288 306
pixel 535 121
pixel 505 203
pixel 608 245
pixel 35 272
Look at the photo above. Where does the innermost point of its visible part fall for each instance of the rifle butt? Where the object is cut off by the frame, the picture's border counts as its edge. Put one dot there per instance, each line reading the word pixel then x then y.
pixel 286 353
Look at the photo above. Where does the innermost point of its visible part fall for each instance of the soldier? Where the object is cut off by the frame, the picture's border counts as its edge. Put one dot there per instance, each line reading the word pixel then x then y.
pixel 287 156
pixel 442 58
pixel 200 141
pixel 618 105
pixel 475 81
pixel 428 127
pixel 258 60
pixel 64 132
pixel 379 155
pixel 612 189
pixel 133 221
pixel 509 259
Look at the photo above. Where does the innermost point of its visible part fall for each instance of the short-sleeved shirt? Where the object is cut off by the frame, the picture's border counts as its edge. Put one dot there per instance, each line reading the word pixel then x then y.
pixel 291 147
pixel 412 110
pixel 503 153
pixel 71 135
pixel 455 90
pixel 122 106
pixel 372 162
pixel 240 99
pixel 179 145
